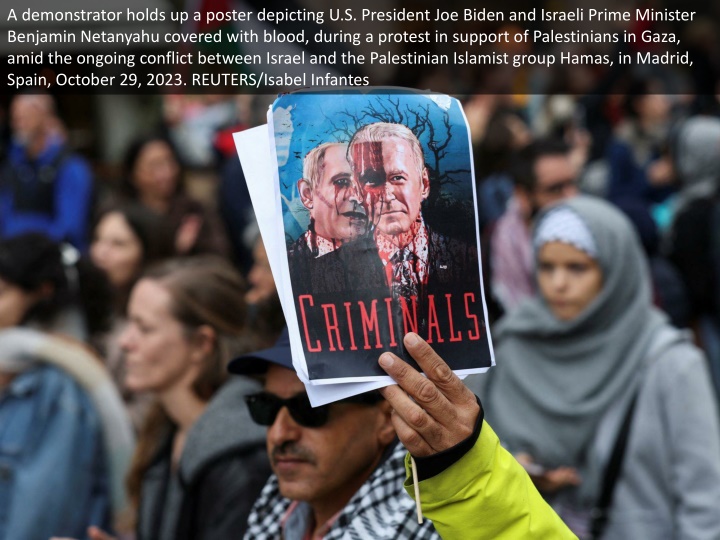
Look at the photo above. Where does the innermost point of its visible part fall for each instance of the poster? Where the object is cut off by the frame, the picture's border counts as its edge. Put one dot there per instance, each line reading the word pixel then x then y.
pixel 376 197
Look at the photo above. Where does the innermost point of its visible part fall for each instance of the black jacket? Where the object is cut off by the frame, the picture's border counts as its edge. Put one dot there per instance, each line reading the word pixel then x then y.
pixel 223 467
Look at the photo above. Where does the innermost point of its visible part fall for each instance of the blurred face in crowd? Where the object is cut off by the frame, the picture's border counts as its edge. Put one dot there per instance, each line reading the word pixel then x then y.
pixel 655 106
pixel 333 198
pixel 260 278
pixel 156 173
pixel 116 249
pixel 14 303
pixel 28 117
pixel 160 352
pixel 568 278
pixel 556 179
pixel 325 465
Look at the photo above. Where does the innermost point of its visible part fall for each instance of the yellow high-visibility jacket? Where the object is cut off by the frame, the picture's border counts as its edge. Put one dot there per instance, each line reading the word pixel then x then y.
pixel 487 494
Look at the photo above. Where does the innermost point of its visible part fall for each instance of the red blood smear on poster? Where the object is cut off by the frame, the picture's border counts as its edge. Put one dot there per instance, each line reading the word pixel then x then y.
pixel 369 170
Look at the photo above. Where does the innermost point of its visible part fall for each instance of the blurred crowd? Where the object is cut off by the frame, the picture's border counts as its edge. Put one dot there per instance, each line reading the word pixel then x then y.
pixel 121 303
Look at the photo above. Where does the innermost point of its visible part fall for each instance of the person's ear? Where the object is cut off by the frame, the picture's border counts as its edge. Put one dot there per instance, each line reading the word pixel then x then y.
pixel 425 183
pixel 306 193
pixel 385 430
pixel 203 341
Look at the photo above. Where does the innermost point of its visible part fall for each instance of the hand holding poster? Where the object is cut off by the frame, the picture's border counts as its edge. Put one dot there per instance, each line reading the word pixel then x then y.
pixel 376 194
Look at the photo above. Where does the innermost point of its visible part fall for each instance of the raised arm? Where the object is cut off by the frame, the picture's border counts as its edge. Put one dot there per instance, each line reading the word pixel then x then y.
pixel 469 483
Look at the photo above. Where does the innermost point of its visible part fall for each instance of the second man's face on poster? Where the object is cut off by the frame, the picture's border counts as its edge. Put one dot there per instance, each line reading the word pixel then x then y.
pixel 396 190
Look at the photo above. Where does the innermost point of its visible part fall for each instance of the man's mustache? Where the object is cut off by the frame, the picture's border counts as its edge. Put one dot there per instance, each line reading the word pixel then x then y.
pixel 291 450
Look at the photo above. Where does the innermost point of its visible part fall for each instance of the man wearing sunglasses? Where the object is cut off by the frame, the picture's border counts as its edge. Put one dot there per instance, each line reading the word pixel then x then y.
pixel 339 469
pixel 544 174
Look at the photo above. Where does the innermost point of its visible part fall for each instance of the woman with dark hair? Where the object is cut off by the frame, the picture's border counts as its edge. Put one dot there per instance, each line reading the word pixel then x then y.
pixel 63 429
pixel 200 462
pixel 610 407
pixel 153 177
pixel 126 240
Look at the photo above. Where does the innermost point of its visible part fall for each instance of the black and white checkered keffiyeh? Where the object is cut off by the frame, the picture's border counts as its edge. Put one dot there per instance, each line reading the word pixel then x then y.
pixel 379 510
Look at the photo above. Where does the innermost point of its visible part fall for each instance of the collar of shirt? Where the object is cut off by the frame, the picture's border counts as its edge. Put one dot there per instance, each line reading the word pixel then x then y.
pixel 298 523
pixel 322 244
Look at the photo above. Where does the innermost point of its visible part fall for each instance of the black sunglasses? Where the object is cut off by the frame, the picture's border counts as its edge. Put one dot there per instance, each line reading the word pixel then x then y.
pixel 264 408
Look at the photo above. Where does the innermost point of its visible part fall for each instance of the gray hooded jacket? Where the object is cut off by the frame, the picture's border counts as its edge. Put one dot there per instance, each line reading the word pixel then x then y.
pixel 224 466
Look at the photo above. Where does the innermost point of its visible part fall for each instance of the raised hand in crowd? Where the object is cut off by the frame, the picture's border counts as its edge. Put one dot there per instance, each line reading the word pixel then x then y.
pixel 431 414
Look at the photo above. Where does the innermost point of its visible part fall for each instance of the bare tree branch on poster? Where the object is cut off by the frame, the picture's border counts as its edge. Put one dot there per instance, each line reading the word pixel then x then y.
pixel 344 124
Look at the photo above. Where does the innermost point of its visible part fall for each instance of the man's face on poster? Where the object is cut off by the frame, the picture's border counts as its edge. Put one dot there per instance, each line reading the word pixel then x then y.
pixel 394 183
pixel 334 201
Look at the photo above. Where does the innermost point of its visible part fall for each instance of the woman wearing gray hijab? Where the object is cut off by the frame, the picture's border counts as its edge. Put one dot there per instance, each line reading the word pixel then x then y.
pixel 569 364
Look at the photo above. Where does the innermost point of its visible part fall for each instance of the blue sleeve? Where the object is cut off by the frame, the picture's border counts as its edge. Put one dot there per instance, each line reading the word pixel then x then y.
pixel 59 467
pixel 5 209
pixel 626 180
pixel 73 200
pixel 629 179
